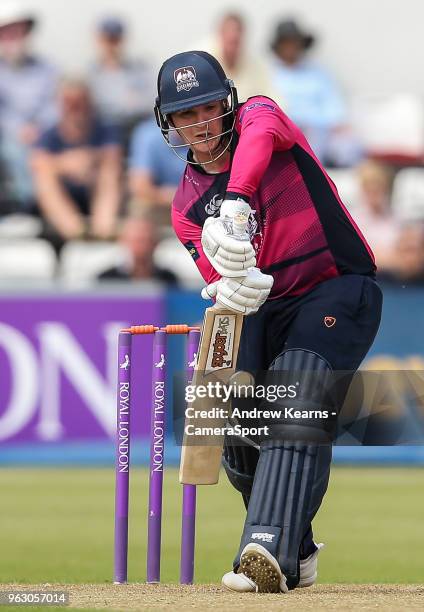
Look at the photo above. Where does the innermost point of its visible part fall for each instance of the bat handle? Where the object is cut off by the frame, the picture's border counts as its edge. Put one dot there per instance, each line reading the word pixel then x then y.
pixel 240 223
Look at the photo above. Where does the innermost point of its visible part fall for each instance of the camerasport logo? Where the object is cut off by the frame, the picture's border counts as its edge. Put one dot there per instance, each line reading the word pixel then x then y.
pixel 220 353
pixel 185 78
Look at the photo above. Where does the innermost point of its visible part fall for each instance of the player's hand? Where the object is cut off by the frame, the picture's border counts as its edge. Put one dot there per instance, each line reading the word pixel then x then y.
pixel 226 242
pixel 245 295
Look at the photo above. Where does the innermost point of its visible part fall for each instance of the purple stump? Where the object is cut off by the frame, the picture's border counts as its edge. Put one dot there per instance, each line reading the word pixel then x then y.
pixel 122 464
pixel 188 525
pixel 157 447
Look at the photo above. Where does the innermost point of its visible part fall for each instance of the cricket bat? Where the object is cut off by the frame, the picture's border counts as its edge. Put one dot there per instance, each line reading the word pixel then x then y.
pixel 216 361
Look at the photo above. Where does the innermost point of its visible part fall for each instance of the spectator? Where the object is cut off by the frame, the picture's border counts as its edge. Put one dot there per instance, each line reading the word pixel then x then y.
pixel 77 169
pixel 250 75
pixel 374 215
pixel 138 237
pixel 27 103
pixel 154 172
pixel 123 90
pixel 313 99
pixel 409 256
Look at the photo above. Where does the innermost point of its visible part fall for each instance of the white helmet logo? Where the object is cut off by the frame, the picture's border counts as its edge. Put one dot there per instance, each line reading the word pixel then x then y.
pixel 185 78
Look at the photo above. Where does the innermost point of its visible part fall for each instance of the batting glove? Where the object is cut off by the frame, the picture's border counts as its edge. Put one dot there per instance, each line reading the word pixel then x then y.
pixel 245 295
pixel 226 242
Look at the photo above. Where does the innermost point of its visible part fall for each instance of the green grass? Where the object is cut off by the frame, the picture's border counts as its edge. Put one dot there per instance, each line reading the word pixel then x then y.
pixel 57 526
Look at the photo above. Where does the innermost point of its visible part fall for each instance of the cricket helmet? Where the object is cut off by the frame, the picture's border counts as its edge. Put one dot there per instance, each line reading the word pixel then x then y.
pixel 190 79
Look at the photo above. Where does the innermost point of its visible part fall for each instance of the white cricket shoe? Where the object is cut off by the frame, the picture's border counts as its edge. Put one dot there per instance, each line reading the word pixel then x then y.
pixel 238 582
pixel 244 584
pixel 259 571
pixel 309 568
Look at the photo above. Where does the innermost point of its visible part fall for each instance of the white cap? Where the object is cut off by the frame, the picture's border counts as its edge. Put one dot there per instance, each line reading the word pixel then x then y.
pixel 14 12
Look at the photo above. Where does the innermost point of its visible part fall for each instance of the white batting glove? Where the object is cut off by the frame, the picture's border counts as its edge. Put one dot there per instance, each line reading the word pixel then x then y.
pixel 226 242
pixel 245 295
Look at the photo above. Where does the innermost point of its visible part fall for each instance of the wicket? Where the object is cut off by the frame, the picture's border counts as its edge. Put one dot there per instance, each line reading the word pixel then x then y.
pixel 157 441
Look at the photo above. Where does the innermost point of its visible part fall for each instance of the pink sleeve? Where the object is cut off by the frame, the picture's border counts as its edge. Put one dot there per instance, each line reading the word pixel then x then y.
pixel 263 128
pixel 189 234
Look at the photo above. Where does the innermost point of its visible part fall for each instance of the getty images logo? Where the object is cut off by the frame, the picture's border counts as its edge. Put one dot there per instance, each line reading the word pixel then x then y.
pixel 263 537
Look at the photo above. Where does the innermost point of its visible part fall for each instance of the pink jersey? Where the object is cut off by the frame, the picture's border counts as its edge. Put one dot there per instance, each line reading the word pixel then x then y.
pixel 301 231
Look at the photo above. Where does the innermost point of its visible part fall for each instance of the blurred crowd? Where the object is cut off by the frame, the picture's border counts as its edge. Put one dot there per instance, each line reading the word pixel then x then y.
pixel 87 181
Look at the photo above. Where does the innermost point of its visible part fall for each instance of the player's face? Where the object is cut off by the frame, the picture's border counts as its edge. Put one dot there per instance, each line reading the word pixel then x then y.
pixel 201 126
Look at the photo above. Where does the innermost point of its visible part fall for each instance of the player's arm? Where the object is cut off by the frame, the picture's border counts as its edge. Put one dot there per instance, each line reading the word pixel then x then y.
pixel 263 128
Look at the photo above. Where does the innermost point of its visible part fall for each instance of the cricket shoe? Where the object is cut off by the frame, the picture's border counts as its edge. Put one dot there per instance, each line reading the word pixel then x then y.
pixel 309 568
pixel 241 583
pixel 259 572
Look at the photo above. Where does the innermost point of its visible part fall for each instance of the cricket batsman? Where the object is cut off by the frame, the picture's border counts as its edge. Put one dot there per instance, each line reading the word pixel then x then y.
pixel 302 272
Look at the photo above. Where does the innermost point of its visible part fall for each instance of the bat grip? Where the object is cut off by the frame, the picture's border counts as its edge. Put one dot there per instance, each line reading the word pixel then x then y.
pixel 240 223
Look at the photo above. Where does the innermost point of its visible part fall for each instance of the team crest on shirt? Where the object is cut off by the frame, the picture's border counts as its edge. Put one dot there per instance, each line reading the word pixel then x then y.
pixel 185 78
pixel 214 204
pixel 329 321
